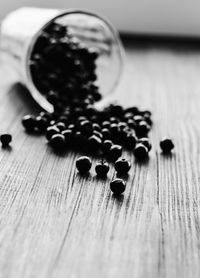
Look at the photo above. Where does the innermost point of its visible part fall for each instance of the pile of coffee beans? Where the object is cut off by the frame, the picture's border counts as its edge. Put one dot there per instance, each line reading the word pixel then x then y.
pixel 105 133
pixel 63 70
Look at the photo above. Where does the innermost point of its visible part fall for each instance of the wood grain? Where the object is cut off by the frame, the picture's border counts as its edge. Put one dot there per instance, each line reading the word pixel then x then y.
pixel 54 223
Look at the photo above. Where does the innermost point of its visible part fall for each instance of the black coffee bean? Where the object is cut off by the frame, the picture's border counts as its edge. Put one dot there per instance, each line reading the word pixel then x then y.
pixel 95 119
pixel 106 133
pixel 114 129
pixel 94 143
pixel 117 186
pixel 86 128
pixel 93 76
pixel 81 119
pixel 64 119
pixel 116 110
pixel 96 127
pixel 68 134
pixel 79 140
pixel 146 113
pixel 122 125
pixel 102 168
pixel 61 126
pixel 46 116
pixel 41 123
pixel 128 116
pixel 122 166
pixel 98 134
pixel 71 127
pixel 90 111
pixel 131 123
pixel 83 164
pixel 78 111
pixel 106 146
pixel 146 142
pixel 57 142
pixel 50 131
pixel 166 145
pixel 114 120
pixel 97 96
pixel 134 110
pixel 29 122
pixel 138 118
pixel 93 54
pixel 142 129
pixel 52 97
pixel 115 152
pixel 103 116
pixel 120 136
pixel 130 141
pixel 5 139
pixel 148 120
pixel 106 124
pixel 140 151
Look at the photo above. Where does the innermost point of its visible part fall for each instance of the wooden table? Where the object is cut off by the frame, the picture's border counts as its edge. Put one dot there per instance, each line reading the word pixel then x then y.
pixel 53 223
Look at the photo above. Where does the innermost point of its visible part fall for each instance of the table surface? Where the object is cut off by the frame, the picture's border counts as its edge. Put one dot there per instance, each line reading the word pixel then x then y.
pixel 54 223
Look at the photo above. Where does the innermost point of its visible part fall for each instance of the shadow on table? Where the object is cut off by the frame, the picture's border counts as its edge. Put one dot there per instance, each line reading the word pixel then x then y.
pixel 174 43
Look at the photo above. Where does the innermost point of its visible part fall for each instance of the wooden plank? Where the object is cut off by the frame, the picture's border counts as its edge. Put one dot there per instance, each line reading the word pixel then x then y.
pixel 54 223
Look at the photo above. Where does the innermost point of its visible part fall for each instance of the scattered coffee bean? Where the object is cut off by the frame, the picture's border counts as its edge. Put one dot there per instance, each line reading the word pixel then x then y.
pixel 130 141
pixel 61 126
pixel 57 142
pixel 79 140
pixel 86 128
pixel 83 164
pixel 115 152
pixel 138 118
pixel 98 134
pixel 50 131
pixel 166 145
pixel 29 123
pixel 122 166
pixel 106 133
pixel 41 123
pixel 94 143
pixel 106 124
pixel 96 127
pixel 102 168
pixel 142 129
pixel 146 142
pixel 134 110
pixel 68 134
pixel 5 139
pixel 117 186
pixel 106 146
pixel 140 151
pixel 116 110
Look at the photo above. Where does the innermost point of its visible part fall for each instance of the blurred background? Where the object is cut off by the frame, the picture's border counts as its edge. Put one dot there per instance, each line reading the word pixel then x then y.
pixel 169 17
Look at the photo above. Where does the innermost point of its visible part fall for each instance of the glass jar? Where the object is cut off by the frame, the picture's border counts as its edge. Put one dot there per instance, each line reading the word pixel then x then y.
pixel 21 29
